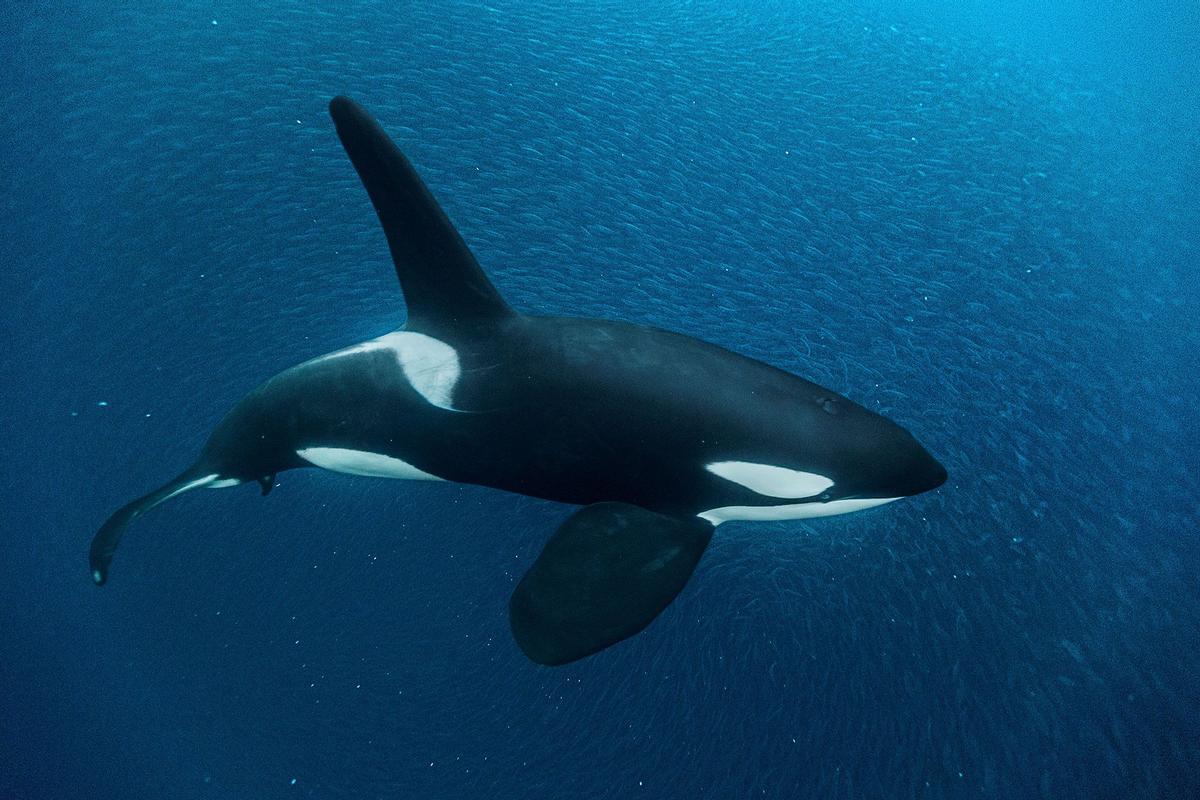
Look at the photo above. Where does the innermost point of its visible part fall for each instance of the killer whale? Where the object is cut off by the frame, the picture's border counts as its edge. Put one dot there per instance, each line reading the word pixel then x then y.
pixel 660 437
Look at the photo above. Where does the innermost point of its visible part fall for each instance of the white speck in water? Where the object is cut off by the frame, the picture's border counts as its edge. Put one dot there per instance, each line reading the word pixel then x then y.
pixel 102 403
pixel 293 783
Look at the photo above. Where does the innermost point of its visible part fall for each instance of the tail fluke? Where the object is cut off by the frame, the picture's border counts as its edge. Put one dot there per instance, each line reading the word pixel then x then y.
pixel 109 536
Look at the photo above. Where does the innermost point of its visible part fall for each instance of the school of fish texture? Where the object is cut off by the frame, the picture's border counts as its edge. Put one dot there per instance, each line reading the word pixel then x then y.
pixel 981 227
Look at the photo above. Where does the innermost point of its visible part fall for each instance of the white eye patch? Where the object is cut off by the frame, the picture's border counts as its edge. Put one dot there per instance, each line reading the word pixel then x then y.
pixel 770 481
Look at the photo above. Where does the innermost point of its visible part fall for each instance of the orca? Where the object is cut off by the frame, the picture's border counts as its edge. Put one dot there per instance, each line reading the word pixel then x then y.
pixel 658 436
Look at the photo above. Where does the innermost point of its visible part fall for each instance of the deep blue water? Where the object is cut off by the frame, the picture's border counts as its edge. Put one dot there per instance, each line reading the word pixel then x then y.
pixel 978 220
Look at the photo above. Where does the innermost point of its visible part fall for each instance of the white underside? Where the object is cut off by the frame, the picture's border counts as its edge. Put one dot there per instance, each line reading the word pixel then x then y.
pixel 377 465
pixel 791 510
pixel 362 462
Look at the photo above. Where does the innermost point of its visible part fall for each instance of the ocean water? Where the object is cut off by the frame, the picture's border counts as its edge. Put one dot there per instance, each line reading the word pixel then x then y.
pixel 977 219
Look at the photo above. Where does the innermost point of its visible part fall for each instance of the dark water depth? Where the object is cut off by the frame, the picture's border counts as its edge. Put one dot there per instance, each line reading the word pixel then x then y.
pixel 984 231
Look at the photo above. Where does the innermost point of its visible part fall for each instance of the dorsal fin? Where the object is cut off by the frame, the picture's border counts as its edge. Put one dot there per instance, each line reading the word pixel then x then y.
pixel 443 284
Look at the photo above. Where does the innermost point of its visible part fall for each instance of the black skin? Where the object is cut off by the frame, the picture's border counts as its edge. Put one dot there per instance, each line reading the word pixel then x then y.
pixel 573 410
pixel 579 411
pixel 619 418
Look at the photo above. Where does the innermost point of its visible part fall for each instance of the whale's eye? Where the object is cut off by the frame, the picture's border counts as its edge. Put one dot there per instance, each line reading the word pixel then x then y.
pixel 828 404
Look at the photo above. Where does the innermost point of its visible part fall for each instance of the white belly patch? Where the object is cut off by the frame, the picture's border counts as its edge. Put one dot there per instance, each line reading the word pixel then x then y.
pixel 792 510
pixel 362 462
pixel 771 481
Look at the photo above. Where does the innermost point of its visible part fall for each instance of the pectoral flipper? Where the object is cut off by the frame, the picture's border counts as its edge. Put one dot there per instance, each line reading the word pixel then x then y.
pixel 607 572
